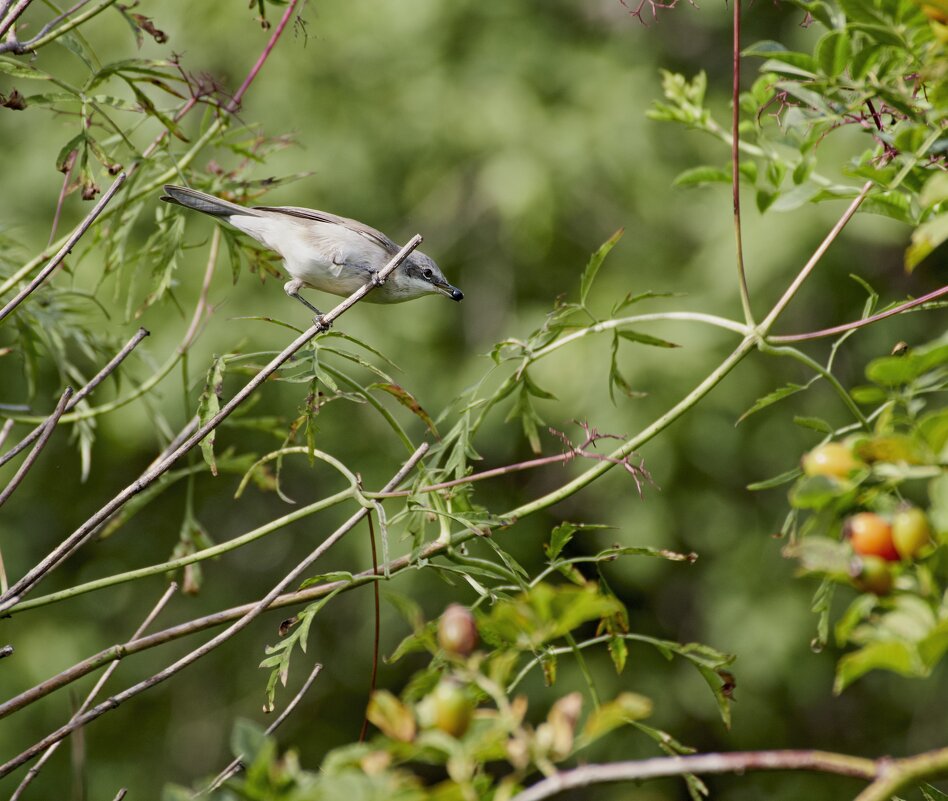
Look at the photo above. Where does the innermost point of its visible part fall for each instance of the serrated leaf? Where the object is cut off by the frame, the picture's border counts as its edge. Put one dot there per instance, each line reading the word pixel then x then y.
pixel 542 614
pixel 561 535
pixel 595 262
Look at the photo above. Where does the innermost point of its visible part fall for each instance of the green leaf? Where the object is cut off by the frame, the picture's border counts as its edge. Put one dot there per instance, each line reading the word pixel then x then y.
pixel 860 11
pixel 636 297
pixel 765 199
pixel 697 176
pixel 595 262
pixel 247 739
pixel 771 398
pixel 776 481
pixel 894 204
pixel 833 52
pixel 542 614
pixel 775 51
pixel 19 69
pixel 626 708
pixel 815 492
pixel 561 535
pixel 893 371
pixel 821 555
pixel 208 406
pixel 896 655
pixel 391 716
pixel 816 423
pixel 931 793
pixel 646 339
pixel 616 379
pixel 406 399
pixel 925 239
pixel 619 652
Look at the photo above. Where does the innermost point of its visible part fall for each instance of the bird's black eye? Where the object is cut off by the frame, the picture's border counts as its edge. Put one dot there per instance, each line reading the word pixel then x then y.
pixel 427 274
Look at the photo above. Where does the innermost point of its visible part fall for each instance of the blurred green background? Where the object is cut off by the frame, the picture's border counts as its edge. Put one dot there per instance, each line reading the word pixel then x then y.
pixel 513 136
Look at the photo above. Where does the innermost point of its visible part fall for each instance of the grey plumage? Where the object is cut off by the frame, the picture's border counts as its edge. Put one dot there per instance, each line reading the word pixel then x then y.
pixel 324 251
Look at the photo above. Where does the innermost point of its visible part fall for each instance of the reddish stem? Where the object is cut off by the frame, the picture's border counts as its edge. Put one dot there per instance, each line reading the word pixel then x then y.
pixel 839 329
pixel 234 103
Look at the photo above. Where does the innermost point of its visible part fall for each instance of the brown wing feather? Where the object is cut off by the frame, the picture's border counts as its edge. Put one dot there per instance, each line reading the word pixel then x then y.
pixel 367 231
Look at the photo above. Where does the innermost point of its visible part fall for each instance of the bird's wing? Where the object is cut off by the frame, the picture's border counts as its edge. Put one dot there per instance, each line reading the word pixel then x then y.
pixel 362 229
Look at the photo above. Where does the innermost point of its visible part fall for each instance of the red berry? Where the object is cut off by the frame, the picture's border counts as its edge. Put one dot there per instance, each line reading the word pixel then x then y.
pixel 871 535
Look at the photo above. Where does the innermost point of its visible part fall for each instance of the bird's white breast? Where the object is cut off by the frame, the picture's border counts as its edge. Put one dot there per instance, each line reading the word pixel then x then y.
pixel 328 257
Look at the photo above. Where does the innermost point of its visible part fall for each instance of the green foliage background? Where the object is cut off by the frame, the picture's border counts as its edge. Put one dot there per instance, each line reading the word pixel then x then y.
pixel 514 137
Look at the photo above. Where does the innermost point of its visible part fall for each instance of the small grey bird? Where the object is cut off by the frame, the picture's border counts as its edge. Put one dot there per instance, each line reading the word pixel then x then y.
pixel 324 251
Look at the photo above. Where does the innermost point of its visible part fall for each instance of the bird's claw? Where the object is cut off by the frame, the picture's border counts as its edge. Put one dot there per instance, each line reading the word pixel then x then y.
pixel 376 280
pixel 321 322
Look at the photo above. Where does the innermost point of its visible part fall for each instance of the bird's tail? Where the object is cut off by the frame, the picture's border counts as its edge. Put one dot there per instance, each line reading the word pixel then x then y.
pixel 201 201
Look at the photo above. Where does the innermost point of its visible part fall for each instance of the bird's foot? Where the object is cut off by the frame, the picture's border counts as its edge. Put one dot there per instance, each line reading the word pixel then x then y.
pixel 320 321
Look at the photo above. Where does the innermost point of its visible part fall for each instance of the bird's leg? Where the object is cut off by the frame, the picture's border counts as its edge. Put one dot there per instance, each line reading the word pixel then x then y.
pixel 292 288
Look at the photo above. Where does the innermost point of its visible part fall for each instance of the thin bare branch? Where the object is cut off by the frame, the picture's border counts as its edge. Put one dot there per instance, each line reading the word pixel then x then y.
pixel 119 651
pixel 155 611
pixel 87 529
pixel 841 329
pixel 45 434
pixel 14 14
pixel 4 432
pixel 97 379
pixel 256 610
pixel 739 762
pixel 50 32
pixel 64 251
pixel 235 101
pixel 237 763
pixel 791 290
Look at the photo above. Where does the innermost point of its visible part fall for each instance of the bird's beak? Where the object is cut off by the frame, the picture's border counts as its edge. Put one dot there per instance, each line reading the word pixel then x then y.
pixel 451 291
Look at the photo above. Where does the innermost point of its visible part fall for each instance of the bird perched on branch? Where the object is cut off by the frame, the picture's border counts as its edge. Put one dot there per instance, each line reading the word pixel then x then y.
pixel 324 251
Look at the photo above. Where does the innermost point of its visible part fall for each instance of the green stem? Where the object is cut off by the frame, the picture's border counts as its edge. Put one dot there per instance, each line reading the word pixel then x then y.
pixel 893 775
pixel 824 372
pixel 647 433
pixel 75 22
pixel 608 325
pixel 584 669
pixel 198 556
